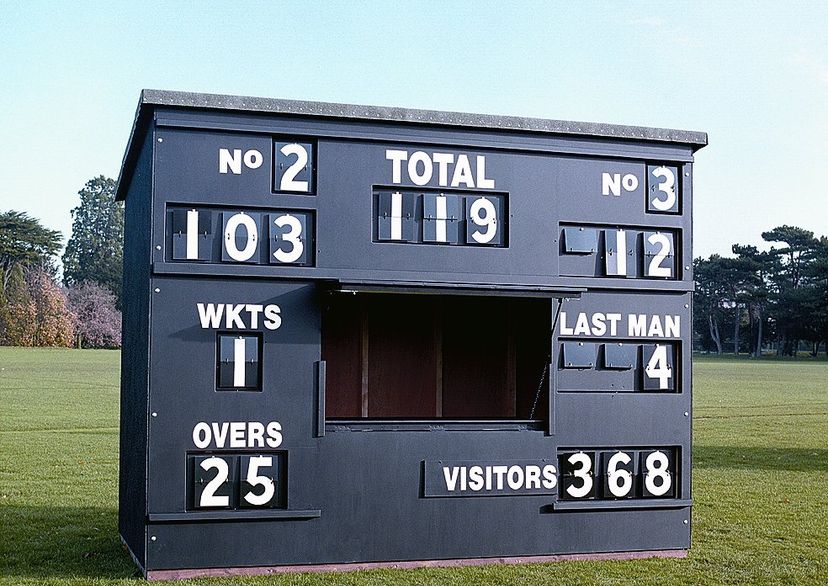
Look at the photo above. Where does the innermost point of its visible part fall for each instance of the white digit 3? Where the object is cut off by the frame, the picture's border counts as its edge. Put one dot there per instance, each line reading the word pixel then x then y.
pixel 655 269
pixel 289 182
pixel 657 466
pixel 583 473
pixel 619 479
pixel 658 367
pixel 208 496
pixel 487 220
pixel 254 479
pixel 667 187
pixel 292 236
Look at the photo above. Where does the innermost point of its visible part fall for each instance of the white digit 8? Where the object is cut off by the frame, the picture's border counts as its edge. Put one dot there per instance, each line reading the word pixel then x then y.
pixel 484 214
pixel 583 473
pixel 667 187
pixel 655 268
pixel 288 182
pixel 657 466
pixel 293 237
pixel 619 479
pixel 254 479
pixel 208 496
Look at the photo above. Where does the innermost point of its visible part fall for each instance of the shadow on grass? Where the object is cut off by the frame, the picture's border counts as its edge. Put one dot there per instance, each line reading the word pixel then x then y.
pixel 62 542
pixel 755 458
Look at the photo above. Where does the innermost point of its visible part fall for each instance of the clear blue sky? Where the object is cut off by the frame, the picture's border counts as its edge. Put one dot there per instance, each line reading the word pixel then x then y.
pixel 752 75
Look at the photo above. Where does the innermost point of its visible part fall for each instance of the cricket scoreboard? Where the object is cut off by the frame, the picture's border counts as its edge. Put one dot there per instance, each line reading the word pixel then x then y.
pixel 362 335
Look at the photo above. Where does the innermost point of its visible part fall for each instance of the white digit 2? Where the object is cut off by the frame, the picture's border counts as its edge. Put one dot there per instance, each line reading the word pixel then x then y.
pixel 288 182
pixel 208 496
pixel 254 479
pixel 658 367
pixel 582 473
pixel 655 269
pixel 293 237
pixel 230 237
pixel 667 187
pixel 619 479
pixel 657 466
pixel 489 220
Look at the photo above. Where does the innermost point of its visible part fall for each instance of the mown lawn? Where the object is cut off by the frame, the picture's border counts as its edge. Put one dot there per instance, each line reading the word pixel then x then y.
pixel 760 482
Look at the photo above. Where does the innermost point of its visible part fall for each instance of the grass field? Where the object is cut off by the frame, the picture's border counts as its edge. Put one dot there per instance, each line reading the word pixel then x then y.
pixel 760 482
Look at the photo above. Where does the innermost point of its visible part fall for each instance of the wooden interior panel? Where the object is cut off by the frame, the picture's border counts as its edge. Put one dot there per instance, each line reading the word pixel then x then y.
pixel 341 349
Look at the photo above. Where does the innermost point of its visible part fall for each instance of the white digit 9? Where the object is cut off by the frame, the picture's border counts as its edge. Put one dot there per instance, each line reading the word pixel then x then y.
pixel 484 214
pixel 655 269
pixel 657 466
pixel 667 187
pixel 619 479
pixel 208 496
pixel 254 479
pixel 583 473
pixel 658 367
pixel 292 236
pixel 288 181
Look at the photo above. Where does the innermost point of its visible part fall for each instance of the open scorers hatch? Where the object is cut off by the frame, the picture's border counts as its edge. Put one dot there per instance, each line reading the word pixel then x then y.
pixel 358 335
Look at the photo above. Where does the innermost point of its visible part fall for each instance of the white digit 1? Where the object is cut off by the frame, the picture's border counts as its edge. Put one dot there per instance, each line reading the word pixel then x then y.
pixel 208 496
pixel 657 466
pixel 292 236
pixel 254 479
pixel 619 479
pixel 489 220
pixel 667 187
pixel 621 253
pixel 442 214
pixel 582 473
pixel 230 237
pixel 655 269
pixel 289 182
pixel 192 235
pixel 657 367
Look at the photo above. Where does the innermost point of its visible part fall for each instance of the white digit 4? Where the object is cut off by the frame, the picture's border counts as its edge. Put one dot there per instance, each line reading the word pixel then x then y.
pixel 657 466
pixel 484 214
pixel 619 479
pixel 667 187
pixel 655 269
pixel 292 236
pixel 583 473
pixel 658 367
pixel 288 181
pixel 254 479
pixel 208 496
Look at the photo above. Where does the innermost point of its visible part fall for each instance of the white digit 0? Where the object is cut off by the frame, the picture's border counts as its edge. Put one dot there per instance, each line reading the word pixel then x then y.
pixel 655 269
pixel 288 181
pixel 483 214
pixel 292 236
pixel 667 187
pixel 230 230
pixel 658 367
pixel 657 466
pixel 254 479
pixel 208 496
pixel 583 473
pixel 619 479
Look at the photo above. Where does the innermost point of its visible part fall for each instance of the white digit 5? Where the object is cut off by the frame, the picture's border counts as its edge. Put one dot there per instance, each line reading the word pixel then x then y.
pixel 292 236
pixel 655 269
pixel 254 479
pixel 583 473
pixel 657 367
pixel 288 182
pixel 667 187
pixel 208 496
pixel 619 479
pixel 657 466
pixel 487 220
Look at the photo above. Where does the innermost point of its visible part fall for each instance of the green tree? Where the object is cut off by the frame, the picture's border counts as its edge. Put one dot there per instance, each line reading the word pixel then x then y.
pixel 95 252
pixel 36 314
pixel 24 243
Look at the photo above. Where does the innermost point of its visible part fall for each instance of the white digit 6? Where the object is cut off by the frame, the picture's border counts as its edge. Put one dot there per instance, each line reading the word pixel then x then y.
pixel 293 237
pixel 208 496
pixel 582 473
pixel 619 479
pixel 489 220
pixel 658 367
pixel 667 187
pixel 254 479
pixel 288 182
pixel 655 269
pixel 657 466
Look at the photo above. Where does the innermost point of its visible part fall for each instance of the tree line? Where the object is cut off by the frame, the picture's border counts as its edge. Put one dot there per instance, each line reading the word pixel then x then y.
pixel 757 301
pixel 81 308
